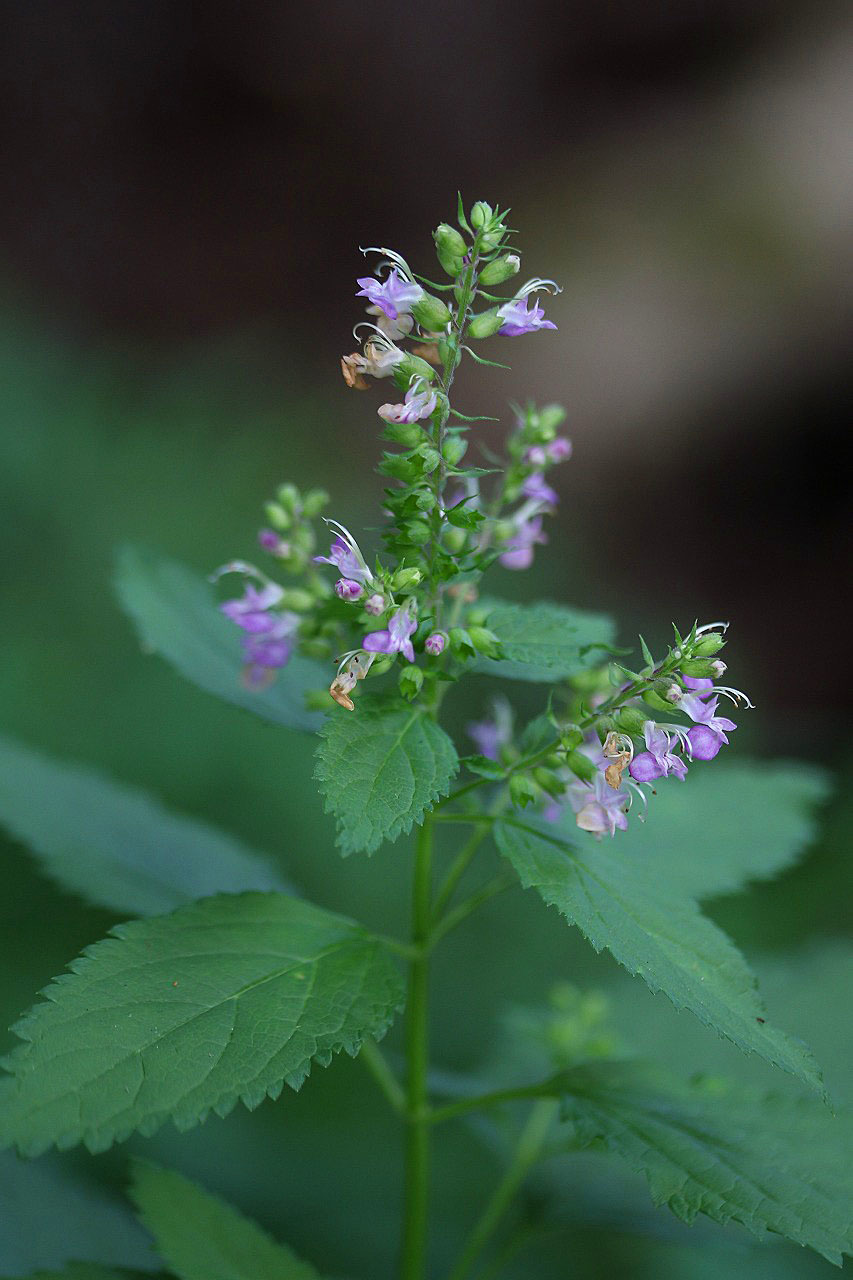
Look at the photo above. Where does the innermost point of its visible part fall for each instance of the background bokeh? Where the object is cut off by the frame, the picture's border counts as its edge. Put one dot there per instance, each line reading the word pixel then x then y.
pixel 186 190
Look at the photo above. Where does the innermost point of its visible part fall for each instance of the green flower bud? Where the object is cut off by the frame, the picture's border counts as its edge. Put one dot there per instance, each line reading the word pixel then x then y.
pixel 709 644
pixel 549 781
pixel 501 269
pixel 454 449
pixel 431 313
pixel 630 720
pixel 485 324
pixel 405 578
pixel 703 668
pixel 450 248
pixel 445 350
pixel 653 699
pixel 410 680
pixel 551 417
pixel 461 643
pixel 667 689
pixel 571 737
pixel 418 532
pixel 478 617
pixel 455 540
pixel 288 496
pixel 481 215
pixel 411 367
pixel 298 599
pixel 383 664
pixel 523 790
pixel 302 539
pixel 314 502
pixel 406 433
pixel 484 641
pixel 277 516
pixel 581 765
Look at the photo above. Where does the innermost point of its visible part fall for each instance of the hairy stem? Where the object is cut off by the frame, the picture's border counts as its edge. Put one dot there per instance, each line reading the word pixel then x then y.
pixel 417 1058
pixel 527 1153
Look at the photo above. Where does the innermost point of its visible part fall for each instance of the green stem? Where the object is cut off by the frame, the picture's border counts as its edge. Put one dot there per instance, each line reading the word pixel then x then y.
pixel 470 905
pixel 417 1057
pixel 526 1154
pixel 374 1059
pixel 542 1089
pixel 460 865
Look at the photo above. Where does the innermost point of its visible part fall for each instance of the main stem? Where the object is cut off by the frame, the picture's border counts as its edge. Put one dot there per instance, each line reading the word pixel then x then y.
pixel 417 1056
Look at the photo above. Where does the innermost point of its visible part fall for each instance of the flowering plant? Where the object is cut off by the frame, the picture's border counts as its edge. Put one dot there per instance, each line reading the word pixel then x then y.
pixel 230 986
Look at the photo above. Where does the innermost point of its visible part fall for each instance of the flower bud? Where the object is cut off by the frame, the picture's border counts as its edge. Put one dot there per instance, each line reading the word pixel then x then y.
pixel 523 790
pixel 348 589
pixel 653 699
pixel 485 324
pixel 454 449
pixel 581 765
pixel 719 669
pixel 455 540
pixel 550 783
pixel 405 433
pixel 630 720
pixel 461 643
pixel 703 668
pixel 552 416
pixel 405 578
pixel 418 532
pixel 450 248
pixel 375 605
pixel 481 215
pixel 288 496
pixel 411 367
pixel 314 502
pixel 501 269
pixel 707 645
pixel 410 680
pixel 434 643
pixel 431 313
pixel 484 641
pixel 277 516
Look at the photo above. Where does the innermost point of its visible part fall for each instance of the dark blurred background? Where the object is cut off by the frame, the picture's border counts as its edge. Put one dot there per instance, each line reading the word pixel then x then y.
pixel 186 188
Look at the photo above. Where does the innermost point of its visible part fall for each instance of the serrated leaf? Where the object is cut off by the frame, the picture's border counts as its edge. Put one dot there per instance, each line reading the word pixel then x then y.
pixel 175 613
pixel 202 1237
pixel 381 768
pixel 653 931
pixel 544 642
pixel 180 1015
pixel 115 846
pixel 773 1164
pixel 729 824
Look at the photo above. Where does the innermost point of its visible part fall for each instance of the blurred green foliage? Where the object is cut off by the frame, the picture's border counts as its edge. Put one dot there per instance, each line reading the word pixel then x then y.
pixel 102 447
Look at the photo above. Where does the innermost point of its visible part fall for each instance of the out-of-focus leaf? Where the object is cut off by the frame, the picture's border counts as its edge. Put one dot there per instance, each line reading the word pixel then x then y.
pixel 176 616
pixel 544 642
pixel 115 846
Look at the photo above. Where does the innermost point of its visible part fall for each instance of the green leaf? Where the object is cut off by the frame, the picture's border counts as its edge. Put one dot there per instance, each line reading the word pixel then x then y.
pixel 731 823
pixel 655 932
pixel 201 1237
pixel 175 614
pixel 484 767
pixel 544 642
pixel 381 768
pixel 180 1015
pixel 88 1271
pixel 773 1164
pixel 115 846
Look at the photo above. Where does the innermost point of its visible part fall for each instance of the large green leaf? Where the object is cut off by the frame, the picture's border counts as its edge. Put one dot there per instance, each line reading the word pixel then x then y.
pixel 176 615
pixel 731 822
pixel 544 642
pixel 381 768
pixel 115 846
pixel 180 1015
pixel 773 1164
pixel 654 931
pixel 201 1237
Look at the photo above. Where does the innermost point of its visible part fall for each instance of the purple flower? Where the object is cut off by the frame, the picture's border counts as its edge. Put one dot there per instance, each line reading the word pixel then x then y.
pixel 518 551
pixel 250 613
pixel 264 653
pixel 492 734
pixel 392 295
pixel 396 639
pixel 345 555
pixel 536 456
pixel 348 589
pixel 537 487
pixel 417 405
pixel 560 449
pixel 434 644
pixel 518 319
pixel 698 684
pixel 658 760
pixel 598 807
pixel 709 731
pixel 268 539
